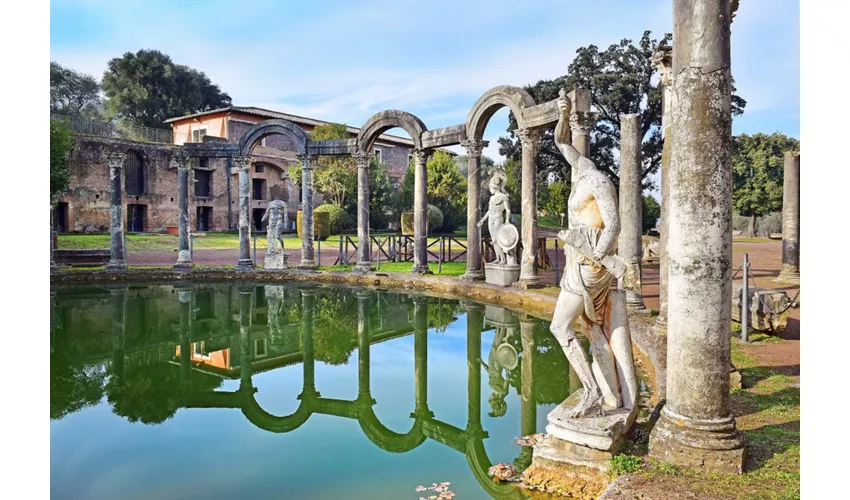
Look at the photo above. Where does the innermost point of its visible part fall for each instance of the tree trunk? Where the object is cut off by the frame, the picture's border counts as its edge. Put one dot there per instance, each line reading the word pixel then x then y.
pixel 751 228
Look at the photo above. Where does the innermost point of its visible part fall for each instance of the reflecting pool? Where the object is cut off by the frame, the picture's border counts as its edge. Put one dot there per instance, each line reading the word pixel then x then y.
pixel 307 392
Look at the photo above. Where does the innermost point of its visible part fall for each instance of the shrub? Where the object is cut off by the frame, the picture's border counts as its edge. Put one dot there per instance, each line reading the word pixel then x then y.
pixel 623 464
pixel 435 218
pixel 321 225
pixel 338 218
pixel 407 222
pixel 770 223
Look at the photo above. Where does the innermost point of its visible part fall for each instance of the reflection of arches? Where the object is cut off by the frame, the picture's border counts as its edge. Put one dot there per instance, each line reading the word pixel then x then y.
pixel 479 464
pixel 270 127
pixel 386 439
pixel 514 98
pixel 385 120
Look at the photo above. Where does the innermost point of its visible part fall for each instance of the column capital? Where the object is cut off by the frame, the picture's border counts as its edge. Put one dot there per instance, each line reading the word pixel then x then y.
pixel 662 60
pixel 242 162
pixel 115 160
pixel 421 154
pixel 362 159
pixel 529 136
pixel 180 162
pixel 582 122
pixel 474 147
pixel 305 160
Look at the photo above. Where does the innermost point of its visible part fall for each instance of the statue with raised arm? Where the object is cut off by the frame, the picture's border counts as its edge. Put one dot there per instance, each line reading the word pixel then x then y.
pixel 590 269
pixel 274 228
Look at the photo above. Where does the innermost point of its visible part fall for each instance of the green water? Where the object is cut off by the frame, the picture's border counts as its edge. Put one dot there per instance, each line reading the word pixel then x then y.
pixel 241 391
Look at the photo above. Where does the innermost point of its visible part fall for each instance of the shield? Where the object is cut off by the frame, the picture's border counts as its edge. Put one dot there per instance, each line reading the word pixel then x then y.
pixel 507 236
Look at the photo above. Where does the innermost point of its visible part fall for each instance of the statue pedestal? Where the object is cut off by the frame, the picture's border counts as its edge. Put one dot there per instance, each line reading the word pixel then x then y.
pixel 501 274
pixel 276 261
pixel 586 441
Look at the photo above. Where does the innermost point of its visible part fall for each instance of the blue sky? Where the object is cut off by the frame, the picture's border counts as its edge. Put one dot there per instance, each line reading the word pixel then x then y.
pixel 344 60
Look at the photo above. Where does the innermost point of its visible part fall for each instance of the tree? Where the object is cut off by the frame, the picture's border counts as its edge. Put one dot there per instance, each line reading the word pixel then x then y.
pixel 446 188
pixel 651 213
pixel 147 88
pixel 61 144
pixel 335 176
pixel 384 199
pixel 73 93
pixel 620 81
pixel 757 174
pixel 559 194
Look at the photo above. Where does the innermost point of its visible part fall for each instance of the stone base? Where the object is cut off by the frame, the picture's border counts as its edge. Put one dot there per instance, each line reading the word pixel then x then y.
pixel 116 266
pixel 184 266
pixel 244 265
pixel 565 480
pixel 307 264
pixel 363 267
pixel 276 260
pixel 558 450
pixel 529 284
pixel 788 276
pixel 419 270
pixel 638 308
pixel 715 446
pixel 501 274
pixel 472 276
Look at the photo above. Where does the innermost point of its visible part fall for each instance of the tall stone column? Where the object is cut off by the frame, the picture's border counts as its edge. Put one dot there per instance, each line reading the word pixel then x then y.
pixel 243 165
pixel 474 148
pixel 420 356
pixel 696 427
pixel 307 234
pixel 420 213
pixel 631 209
pixel 663 60
pixel 530 139
pixel 117 252
pixel 582 120
pixel 474 325
pixel 364 343
pixel 364 247
pixel 184 258
pixel 308 306
pixel 791 219
pixel 246 311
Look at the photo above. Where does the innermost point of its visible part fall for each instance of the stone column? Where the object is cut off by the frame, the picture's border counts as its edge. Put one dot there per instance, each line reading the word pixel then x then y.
pixel 631 209
pixel 664 62
pixel 696 427
pixel 117 252
pixel 364 247
pixel 246 306
pixel 420 213
pixel 474 324
pixel 530 139
pixel 420 356
pixel 364 336
pixel 307 236
pixel 184 259
pixel 308 306
pixel 243 165
pixel 184 296
pixel 791 219
pixel 582 120
pixel 474 148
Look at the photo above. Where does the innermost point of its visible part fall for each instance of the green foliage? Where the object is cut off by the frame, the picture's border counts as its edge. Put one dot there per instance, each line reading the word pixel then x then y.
pixel 335 176
pixel 513 171
pixel 338 218
pixel 61 144
pixel 384 199
pixel 651 213
pixel 758 171
pixel 435 218
pixel 623 464
pixel 73 93
pixel 321 225
pixel 147 87
pixel 335 329
pixel 620 81
pixel 559 195
pixel 446 190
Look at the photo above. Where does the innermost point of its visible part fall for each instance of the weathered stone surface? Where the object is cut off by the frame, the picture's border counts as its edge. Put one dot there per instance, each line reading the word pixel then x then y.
pixel 474 148
pixel 768 308
pixel 184 256
pixel 530 139
pixel 791 220
pixel 501 274
pixel 564 451
pixel 602 433
pixel 364 246
pixel 662 59
pixel 565 479
pixel 385 120
pixel 276 260
pixel 446 136
pixel 117 255
pixel 420 213
pixel 631 206
pixel 307 234
pixel 714 446
pixel 242 165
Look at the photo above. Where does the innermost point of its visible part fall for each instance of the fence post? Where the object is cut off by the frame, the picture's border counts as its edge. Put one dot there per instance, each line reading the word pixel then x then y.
pixel 745 298
pixel 379 252
pixel 440 260
pixel 339 257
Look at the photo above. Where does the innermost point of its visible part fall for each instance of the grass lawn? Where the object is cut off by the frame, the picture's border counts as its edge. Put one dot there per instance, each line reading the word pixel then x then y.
pixel 448 269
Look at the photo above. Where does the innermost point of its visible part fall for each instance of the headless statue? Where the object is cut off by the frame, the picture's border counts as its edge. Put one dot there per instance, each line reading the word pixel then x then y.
pixel 274 229
pixel 586 294
pixel 498 212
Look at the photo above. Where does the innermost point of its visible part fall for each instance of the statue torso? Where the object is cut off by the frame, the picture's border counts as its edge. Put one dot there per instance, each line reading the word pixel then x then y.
pixel 583 209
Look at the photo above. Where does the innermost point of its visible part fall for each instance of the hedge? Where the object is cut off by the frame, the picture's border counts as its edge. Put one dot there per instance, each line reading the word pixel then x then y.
pixel 321 225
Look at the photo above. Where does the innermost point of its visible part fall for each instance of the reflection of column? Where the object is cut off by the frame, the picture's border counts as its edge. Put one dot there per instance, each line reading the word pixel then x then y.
pixel 631 207
pixel 243 164
pixel 364 247
pixel 474 324
pixel 118 297
pixel 184 295
pixel 364 392
pixel 307 233
pixel 696 427
pixel 420 213
pixel 528 408
pixel 183 165
pixel 246 304
pixel 52 261
pixel 52 318
pixel 117 252
pixel 474 148
pixel 308 305
pixel 791 219
pixel 420 355
pixel 530 139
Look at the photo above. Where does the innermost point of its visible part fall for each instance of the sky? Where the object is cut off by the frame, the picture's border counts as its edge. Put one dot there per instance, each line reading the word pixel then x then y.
pixel 344 61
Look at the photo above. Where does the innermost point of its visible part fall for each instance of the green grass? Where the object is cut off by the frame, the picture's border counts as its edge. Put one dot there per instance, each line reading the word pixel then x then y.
pixel 448 269
pixel 757 239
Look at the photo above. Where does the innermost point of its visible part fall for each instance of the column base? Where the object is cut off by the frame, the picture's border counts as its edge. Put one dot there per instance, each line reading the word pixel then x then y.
pixel 529 283
pixel 421 270
pixel 472 276
pixel 712 445
pixel 788 276
pixel 363 267
pixel 184 266
pixel 244 265
pixel 638 308
pixel 309 265
pixel 116 266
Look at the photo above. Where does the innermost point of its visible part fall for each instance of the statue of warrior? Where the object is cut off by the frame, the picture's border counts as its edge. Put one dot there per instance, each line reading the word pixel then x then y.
pixel 274 228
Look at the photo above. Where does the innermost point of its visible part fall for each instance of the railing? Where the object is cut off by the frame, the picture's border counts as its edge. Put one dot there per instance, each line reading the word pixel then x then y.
pixel 82 125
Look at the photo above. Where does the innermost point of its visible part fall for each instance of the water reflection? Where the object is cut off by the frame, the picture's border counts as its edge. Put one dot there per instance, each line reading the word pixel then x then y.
pixel 153 350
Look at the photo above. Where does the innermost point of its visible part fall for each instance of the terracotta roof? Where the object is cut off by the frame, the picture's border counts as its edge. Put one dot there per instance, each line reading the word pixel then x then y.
pixel 300 120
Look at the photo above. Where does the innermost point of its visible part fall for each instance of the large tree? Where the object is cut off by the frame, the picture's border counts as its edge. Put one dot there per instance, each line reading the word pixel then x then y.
pixel 147 88
pixel 335 176
pixel 620 79
pixel 446 188
pixel 73 93
pixel 61 144
pixel 758 174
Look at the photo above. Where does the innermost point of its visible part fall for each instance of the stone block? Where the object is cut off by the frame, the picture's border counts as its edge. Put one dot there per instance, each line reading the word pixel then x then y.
pixel 276 260
pixel 768 308
pixel 501 274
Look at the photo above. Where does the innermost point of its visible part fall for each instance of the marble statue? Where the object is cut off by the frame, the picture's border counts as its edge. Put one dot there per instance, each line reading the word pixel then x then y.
pixel 590 268
pixel 274 229
pixel 498 213
pixel 502 360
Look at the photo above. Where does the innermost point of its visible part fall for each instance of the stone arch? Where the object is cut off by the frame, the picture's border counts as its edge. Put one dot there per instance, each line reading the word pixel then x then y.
pixel 272 423
pixel 385 120
pixel 515 98
pixel 388 440
pixel 270 127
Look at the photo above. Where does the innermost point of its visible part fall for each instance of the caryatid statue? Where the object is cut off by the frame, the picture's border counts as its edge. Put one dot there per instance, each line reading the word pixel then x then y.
pixel 498 213
pixel 589 271
pixel 274 229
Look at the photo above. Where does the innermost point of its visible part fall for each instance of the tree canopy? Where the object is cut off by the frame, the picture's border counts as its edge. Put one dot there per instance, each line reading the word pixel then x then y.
pixel 147 88
pixel 73 93
pixel 447 188
pixel 61 144
pixel 335 176
pixel 620 81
